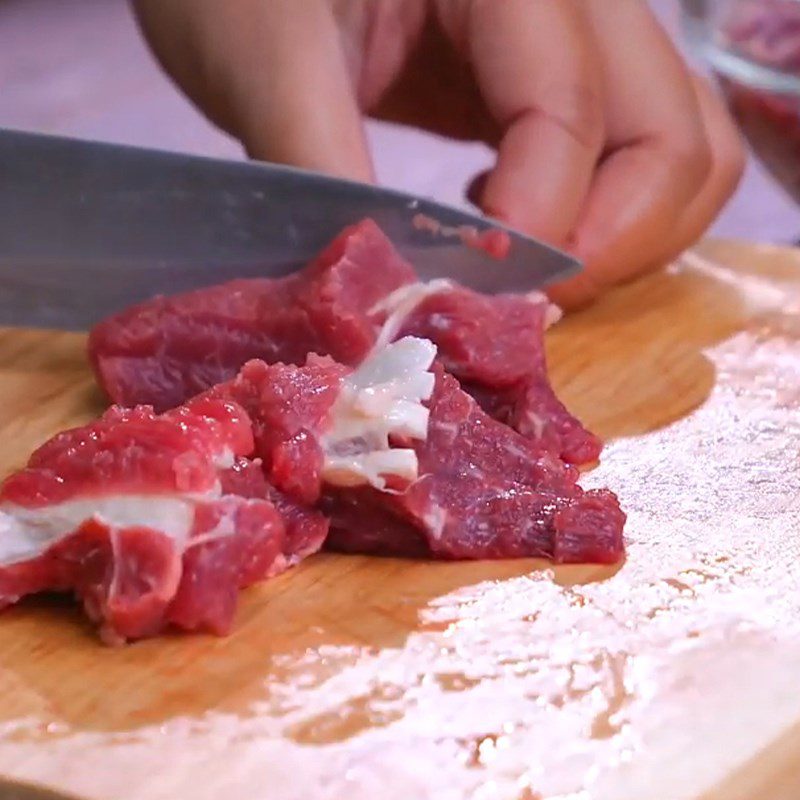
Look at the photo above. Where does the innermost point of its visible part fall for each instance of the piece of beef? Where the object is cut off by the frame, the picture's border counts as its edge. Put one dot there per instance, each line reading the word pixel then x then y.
pixel 155 520
pixel 495 347
pixel 484 491
pixel 324 424
pixel 167 349
pixel 450 483
pixel 138 515
pixel 305 528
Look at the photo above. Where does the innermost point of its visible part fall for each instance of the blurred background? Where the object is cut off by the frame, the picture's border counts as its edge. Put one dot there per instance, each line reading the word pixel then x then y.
pixel 79 67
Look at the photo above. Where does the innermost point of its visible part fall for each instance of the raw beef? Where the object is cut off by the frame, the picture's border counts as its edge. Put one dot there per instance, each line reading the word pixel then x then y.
pixel 494 345
pixel 484 491
pixel 166 350
pixel 494 241
pixel 766 32
pixel 159 520
pixel 324 424
pixel 455 484
pixel 129 513
pixel 757 57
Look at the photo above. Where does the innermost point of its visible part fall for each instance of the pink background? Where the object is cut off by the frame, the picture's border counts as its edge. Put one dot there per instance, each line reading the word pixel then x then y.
pixel 79 67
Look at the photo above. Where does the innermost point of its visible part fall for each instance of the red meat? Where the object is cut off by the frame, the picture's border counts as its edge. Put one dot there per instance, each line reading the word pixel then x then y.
pixel 484 491
pixel 150 520
pixel 495 242
pixel 160 520
pixel 305 528
pixel 289 406
pixel 166 350
pixel 155 521
pixel 324 423
pixel 479 490
pixel 134 450
pixel 494 345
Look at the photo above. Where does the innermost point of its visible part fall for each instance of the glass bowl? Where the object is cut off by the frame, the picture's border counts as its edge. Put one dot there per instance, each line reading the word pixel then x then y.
pixel 753 46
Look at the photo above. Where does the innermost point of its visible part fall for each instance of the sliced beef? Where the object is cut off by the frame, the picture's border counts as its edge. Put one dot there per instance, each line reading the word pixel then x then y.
pixel 484 491
pixel 166 350
pixel 495 347
pixel 159 520
pixel 324 424
pixel 150 520
pixel 476 488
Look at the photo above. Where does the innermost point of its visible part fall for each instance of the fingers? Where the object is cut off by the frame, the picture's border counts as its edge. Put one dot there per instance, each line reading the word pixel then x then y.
pixel 658 155
pixel 728 161
pixel 539 76
pixel 274 77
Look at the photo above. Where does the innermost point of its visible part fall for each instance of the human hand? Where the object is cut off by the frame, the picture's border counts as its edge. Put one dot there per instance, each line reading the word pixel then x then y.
pixel 606 145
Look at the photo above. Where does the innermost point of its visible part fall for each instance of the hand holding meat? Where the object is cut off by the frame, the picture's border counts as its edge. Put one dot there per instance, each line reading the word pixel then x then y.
pixel 606 144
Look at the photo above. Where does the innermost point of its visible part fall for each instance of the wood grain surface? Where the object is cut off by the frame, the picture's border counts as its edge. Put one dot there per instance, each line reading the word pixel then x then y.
pixel 671 677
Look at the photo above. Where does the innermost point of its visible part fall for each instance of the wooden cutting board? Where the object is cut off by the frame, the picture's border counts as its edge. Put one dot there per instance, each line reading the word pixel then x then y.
pixel 674 676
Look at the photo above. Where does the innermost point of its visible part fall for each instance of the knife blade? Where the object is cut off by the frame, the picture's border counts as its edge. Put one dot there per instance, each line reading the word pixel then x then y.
pixel 89 228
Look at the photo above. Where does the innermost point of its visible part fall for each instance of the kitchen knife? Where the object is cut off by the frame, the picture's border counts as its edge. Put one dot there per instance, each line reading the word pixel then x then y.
pixel 87 228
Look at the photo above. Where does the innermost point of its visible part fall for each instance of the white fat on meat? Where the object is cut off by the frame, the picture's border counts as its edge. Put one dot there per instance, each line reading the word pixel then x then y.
pixel 401 303
pixel 382 398
pixel 224 459
pixel 26 533
pixel 552 314
pixel 435 520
